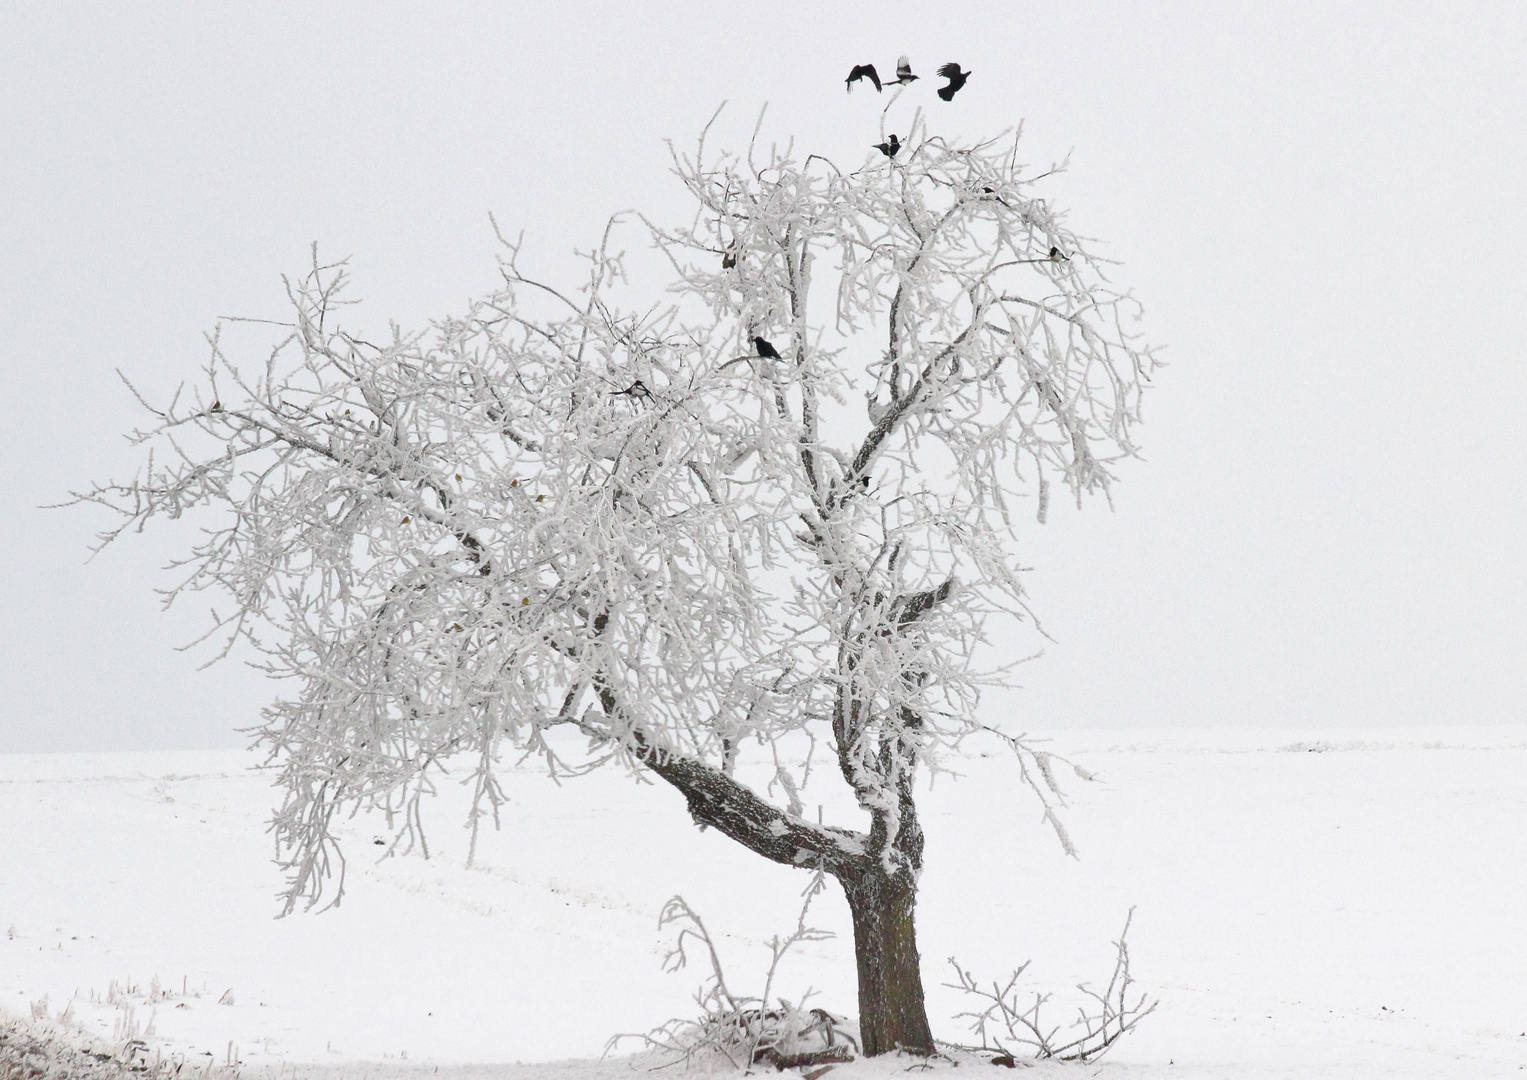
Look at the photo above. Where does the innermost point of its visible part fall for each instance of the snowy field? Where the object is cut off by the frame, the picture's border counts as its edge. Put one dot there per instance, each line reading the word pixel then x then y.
pixel 1332 904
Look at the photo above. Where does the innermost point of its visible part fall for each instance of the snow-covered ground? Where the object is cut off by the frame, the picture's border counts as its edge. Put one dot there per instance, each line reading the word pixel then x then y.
pixel 1307 904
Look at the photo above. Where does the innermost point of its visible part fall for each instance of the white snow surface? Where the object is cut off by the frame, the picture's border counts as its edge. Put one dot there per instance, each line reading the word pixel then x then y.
pixel 1307 904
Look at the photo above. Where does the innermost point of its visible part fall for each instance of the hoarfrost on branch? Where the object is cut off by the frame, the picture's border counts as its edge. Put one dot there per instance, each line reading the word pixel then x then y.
pixel 452 542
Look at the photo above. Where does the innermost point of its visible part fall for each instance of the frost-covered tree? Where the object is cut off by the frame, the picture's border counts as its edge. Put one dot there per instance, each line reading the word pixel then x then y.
pixel 774 507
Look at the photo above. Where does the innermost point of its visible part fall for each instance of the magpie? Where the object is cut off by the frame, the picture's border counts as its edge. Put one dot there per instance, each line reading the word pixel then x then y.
pixel 956 79
pixel 637 391
pixel 991 193
pixel 862 71
pixel 904 76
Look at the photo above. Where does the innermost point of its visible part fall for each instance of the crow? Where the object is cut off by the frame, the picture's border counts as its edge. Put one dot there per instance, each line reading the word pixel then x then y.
pixel 862 71
pixel 890 147
pixel 904 76
pixel 637 391
pixel 765 348
pixel 956 79
pixel 729 259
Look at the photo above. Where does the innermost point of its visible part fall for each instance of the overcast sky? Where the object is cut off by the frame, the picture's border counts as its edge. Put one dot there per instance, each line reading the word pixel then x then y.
pixel 1321 206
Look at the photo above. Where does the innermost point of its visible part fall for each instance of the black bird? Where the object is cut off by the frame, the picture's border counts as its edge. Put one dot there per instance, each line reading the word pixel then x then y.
pixel 637 391
pixel 904 76
pixel 956 79
pixel 728 259
pixel 862 71
pixel 765 349
pixel 991 193
pixel 890 147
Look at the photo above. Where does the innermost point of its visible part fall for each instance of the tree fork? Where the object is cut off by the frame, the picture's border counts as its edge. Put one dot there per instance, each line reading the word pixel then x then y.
pixel 892 1013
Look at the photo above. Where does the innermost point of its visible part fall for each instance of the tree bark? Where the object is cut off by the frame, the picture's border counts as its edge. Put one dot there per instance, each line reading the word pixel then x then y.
pixel 891 1011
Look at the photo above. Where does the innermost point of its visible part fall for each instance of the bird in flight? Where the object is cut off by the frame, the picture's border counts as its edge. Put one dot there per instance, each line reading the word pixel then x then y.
pixel 890 147
pixel 904 76
pixel 765 348
pixel 637 391
pixel 862 71
pixel 956 79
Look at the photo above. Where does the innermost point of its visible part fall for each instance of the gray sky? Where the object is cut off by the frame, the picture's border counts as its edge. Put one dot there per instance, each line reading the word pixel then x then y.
pixel 1321 206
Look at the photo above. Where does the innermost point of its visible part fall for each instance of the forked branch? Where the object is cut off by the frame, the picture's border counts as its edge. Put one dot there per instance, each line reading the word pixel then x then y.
pixel 1006 1020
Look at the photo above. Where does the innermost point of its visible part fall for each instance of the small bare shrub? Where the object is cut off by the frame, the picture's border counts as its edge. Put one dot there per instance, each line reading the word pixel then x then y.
pixel 1005 1023
pixel 39 1050
pixel 743 1030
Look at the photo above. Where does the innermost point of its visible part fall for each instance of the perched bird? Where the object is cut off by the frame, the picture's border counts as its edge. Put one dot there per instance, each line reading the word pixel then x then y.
pixel 904 76
pixel 890 147
pixel 729 259
pixel 862 71
pixel 1056 255
pixel 956 79
pixel 637 390
pixel 765 348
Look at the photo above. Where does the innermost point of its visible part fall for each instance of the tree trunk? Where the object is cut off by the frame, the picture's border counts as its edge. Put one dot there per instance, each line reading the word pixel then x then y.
pixel 891 1011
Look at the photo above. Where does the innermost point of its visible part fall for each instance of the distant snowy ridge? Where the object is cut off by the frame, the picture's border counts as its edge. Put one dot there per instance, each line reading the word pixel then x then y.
pixel 1261 740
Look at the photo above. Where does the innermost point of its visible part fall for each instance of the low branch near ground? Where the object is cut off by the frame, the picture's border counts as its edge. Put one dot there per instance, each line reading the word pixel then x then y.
pixel 746 1030
pixel 1006 1021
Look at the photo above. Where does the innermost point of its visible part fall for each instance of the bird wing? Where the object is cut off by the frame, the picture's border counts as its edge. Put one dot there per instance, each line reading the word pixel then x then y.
pixel 863 71
pixel 904 68
pixel 950 71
